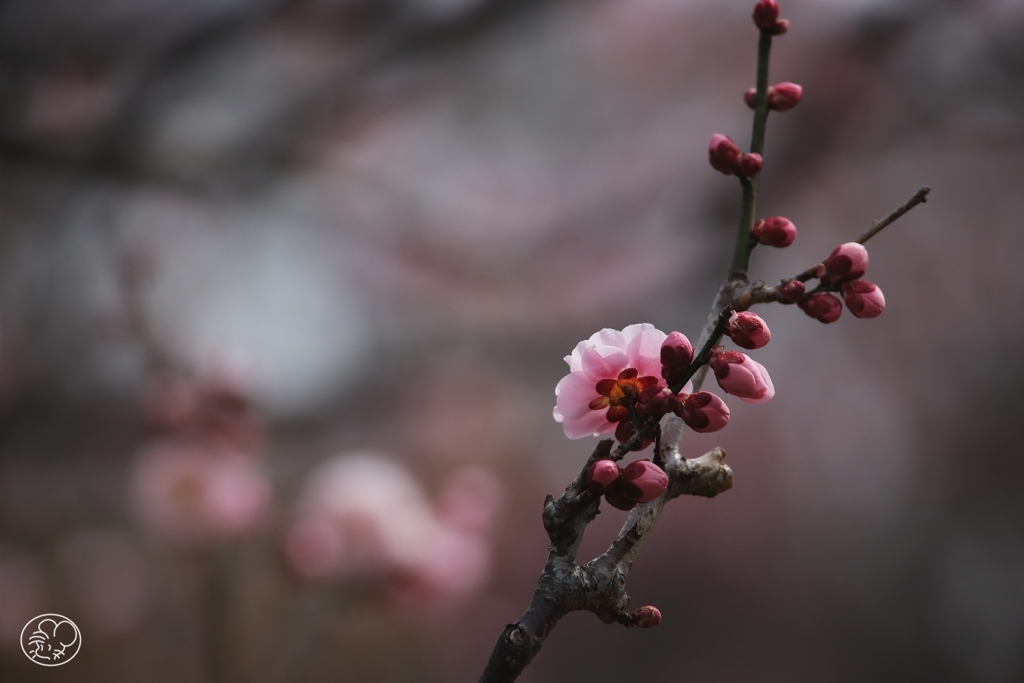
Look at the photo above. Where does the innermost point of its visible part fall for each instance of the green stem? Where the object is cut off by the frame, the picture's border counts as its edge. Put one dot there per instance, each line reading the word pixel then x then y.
pixel 744 242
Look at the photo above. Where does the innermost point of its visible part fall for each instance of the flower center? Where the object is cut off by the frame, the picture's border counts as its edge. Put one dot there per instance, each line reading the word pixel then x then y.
pixel 617 395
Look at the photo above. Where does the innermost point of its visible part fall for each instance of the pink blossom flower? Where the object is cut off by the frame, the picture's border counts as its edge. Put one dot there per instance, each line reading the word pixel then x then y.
pixel 863 298
pixel 747 330
pixel 822 306
pixel 607 373
pixel 750 97
pixel 743 377
pixel 703 411
pixel 776 232
pixel 188 494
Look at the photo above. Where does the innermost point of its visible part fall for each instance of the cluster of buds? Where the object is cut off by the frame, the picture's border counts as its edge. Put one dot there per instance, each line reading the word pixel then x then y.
pixel 766 18
pixel 781 96
pixel 842 270
pixel 727 158
pixel 626 487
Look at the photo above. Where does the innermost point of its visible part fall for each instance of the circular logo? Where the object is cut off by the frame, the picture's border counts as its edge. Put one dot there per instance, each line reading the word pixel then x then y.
pixel 50 640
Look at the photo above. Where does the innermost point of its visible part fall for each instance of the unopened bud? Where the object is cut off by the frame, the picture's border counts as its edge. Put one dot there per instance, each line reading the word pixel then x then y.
pixel 822 306
pixel 703 411
pixel 784 96
pixel 624 432
pixel 749 165
pixel 846 262
pixel 602 475
pixel 750 97
pixel 863 298
pixel 766 18
pixel 743 377
pixel 676 356
pixel 643 481
pixel 647 616
pixel 793 290
pixel 747 330
pixel 774 232
pixel 723 154
pixel 654 400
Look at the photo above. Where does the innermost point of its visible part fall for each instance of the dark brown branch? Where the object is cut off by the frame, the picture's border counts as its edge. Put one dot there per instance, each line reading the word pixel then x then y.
pixel 600 585
pixel 760 293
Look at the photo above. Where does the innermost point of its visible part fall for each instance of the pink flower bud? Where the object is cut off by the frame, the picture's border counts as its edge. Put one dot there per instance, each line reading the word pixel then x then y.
pixel 624 432
pixel 793 290
pixel 647 616
pixel 822 306
pixel 723 154
pixel 703 411
pixel 643 481
pixel 676 356
pixel 863 298
pixel 747 330
pixel 784 96
pixel 774 232
pixel 655 400
pixel 602 475
pixel 743 377
pixel 749 165
pixel 766 18
pixel 766 13
pixel 846 262
pixel 750 97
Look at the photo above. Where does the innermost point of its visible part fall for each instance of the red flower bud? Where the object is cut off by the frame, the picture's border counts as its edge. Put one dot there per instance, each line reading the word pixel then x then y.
pixel 863 298
pixel 603 474
pixel 703 411
pixel 643 481
pixel 784 96
pixel 676 356
pixel 750 97
pixel 822 306
pixel 738 374
pixel 793 290
pixel 654 400
pixel 774 232
pixel 766 13
pixel 647 616
pixel 723 154
pixel 624 432
pixel 766 18
pixel 747 330
pixel 846 262
pixel 749 165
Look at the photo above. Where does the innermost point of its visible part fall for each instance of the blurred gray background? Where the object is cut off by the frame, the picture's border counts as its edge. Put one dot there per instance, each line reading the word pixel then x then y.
pixel 398 215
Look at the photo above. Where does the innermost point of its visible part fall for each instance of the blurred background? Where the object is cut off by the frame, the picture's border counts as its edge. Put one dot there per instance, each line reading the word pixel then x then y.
pixel 285 287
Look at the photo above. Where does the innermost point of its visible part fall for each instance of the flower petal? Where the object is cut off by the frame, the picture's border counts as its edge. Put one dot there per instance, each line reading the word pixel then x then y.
pixel 644 349
pixel 608 337
pixel 574 394
pixel 592 424
pixel 603 362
